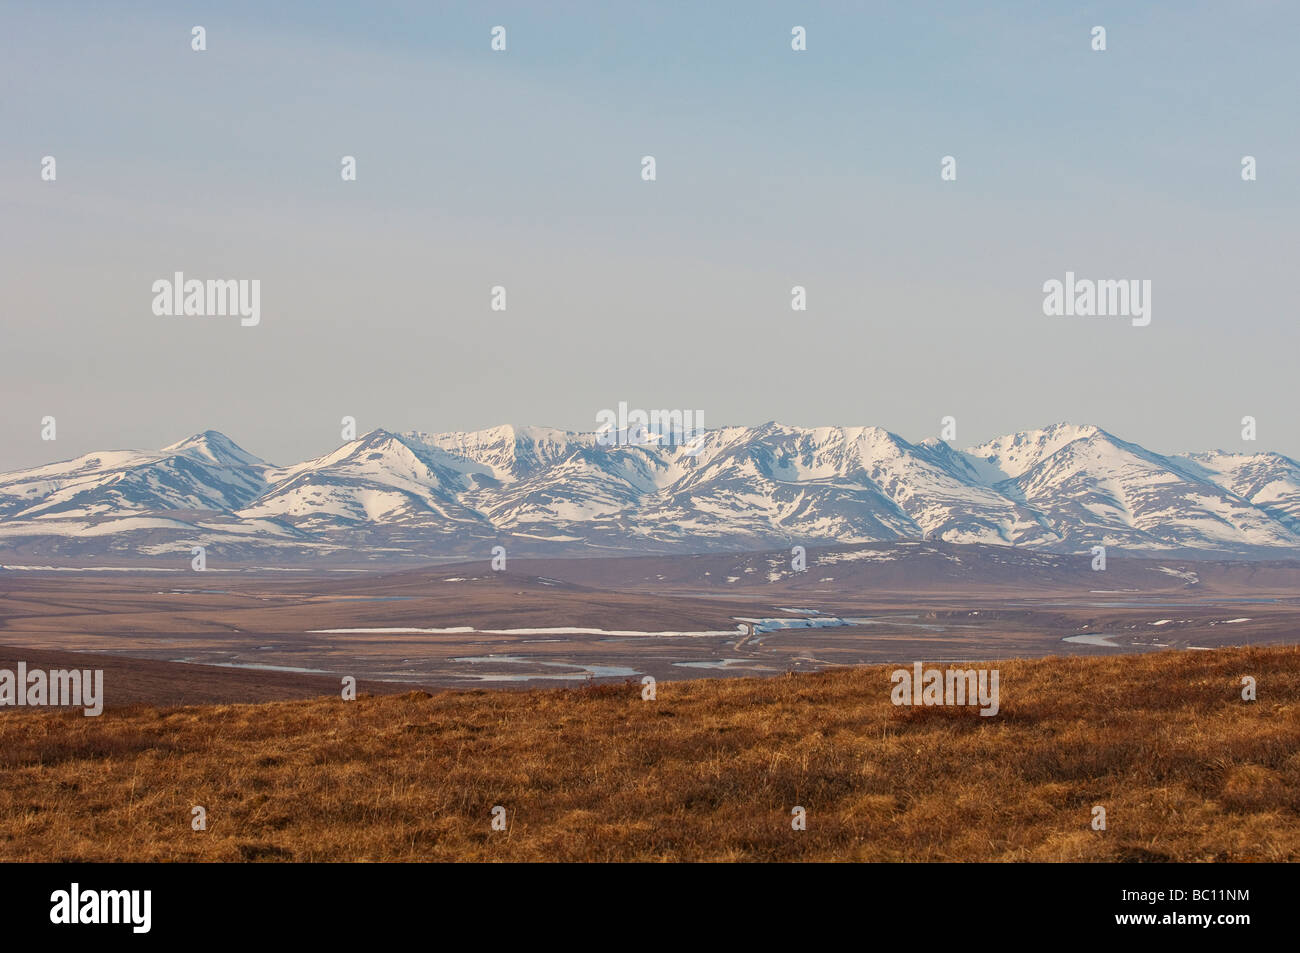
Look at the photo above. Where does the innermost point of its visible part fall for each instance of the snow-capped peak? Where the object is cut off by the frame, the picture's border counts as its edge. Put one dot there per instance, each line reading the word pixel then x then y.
pixel 215 447
pixel 1063 487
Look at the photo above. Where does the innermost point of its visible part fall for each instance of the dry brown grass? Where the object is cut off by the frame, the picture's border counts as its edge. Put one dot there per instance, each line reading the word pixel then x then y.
pixel 710 771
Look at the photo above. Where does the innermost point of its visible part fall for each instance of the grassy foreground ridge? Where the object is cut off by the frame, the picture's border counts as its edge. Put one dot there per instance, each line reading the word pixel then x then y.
pixel 1185 769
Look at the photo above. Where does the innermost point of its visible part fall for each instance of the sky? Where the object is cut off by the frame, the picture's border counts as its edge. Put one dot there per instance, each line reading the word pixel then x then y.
pixel 523 169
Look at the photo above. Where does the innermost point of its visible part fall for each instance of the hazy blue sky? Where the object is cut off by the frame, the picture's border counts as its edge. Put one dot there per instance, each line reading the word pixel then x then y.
pixel 522 169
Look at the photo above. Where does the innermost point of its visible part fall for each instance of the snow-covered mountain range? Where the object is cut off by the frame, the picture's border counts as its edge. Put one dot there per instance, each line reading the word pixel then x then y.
pixel 543 491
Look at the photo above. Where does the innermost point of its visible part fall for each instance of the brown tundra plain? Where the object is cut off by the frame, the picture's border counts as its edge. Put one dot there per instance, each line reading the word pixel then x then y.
pixel 710 770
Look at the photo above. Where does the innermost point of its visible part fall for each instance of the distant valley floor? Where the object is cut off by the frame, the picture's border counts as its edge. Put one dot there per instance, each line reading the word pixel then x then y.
pixel 260 636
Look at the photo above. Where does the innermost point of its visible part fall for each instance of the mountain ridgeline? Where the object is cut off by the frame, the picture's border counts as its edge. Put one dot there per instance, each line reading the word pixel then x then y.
pixel 540 491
